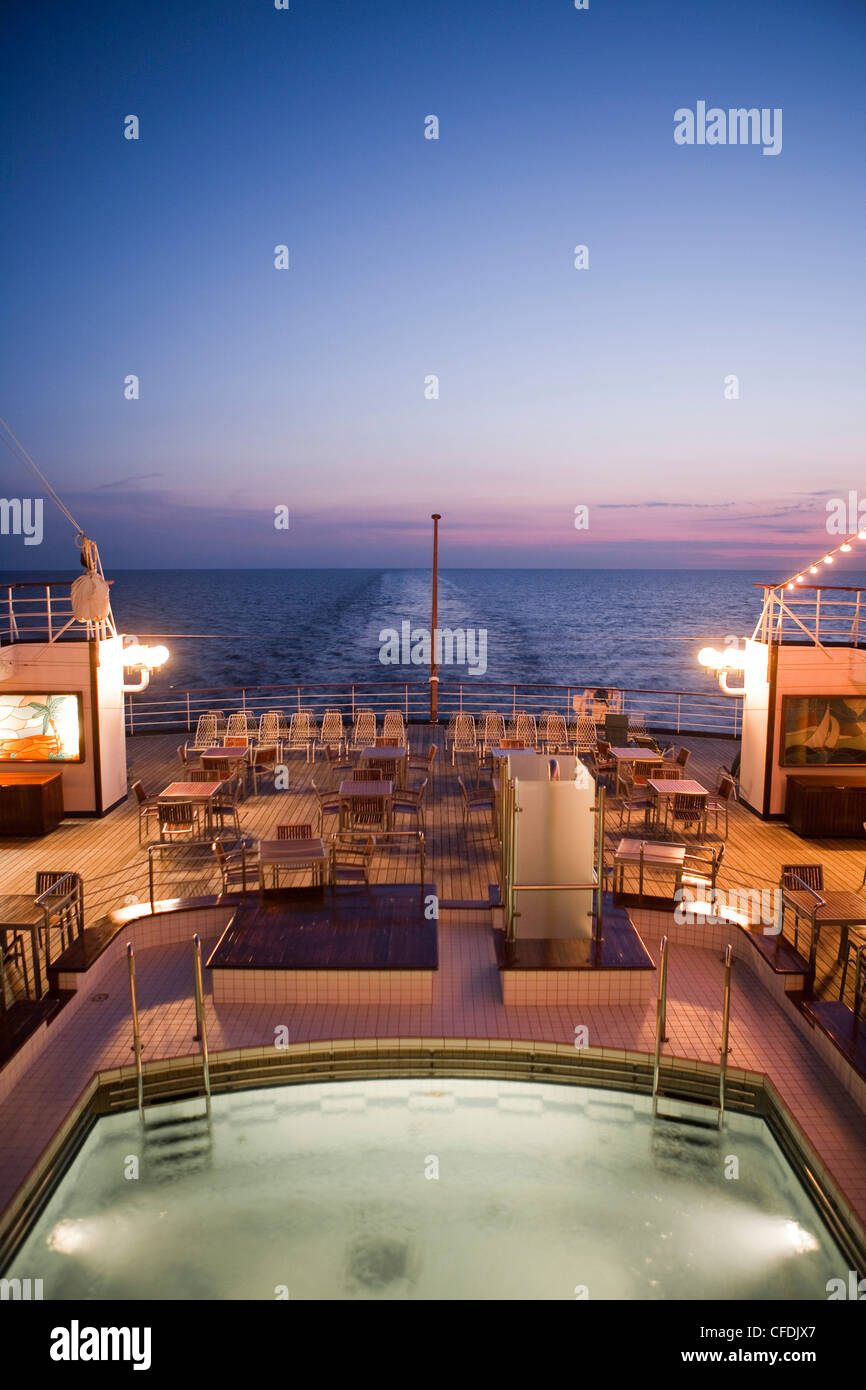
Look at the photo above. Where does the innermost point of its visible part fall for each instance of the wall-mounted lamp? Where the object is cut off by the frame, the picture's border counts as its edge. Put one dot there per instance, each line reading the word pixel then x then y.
pixel 732 659
pixel 143 659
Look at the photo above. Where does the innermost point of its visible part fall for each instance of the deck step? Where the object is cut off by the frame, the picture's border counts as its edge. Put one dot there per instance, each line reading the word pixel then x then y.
pixel 837 1020
pixel 779 954
pixel 673 1107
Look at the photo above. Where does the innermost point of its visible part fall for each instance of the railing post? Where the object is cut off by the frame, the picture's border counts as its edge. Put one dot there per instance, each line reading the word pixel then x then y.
pixel 150 878
pixel 188 718
pixel 48 611
pixel 200 1024
pixel 136 1032
pixel 726 1024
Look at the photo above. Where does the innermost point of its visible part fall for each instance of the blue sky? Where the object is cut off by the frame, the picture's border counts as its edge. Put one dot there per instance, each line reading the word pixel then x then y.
pixel 558 387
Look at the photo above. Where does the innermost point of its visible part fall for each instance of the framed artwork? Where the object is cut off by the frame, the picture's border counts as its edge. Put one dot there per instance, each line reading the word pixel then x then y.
pixel 40 728
pixel 823 731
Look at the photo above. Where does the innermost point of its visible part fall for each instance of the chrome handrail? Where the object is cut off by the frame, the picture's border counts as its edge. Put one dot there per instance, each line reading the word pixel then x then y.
pixel 136 1030
pixel 201 1026
pixel 726 1025
pixel 599 873
pixel 661 1018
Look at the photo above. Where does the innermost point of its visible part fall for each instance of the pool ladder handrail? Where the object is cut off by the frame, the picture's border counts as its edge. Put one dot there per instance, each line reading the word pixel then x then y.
pixel 200 1035
pixel 661 1023
pixel 661 1016
pixel 136 1029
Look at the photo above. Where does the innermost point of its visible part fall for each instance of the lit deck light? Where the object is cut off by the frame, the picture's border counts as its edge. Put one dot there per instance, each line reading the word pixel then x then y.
pixel 799 579
pixel 138 657
pixel 846 547
pixel 828 559
pixel 861 535
pixel 813 569
pixel 731 659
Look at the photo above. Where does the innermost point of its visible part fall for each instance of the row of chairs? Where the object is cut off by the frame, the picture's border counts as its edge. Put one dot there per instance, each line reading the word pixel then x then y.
pixel 301 730
pixel 550 732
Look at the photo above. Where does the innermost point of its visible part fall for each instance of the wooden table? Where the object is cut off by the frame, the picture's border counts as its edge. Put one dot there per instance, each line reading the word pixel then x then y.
pixel 622 755
pixel 649 854
pixel 351 792
pixel 832 907
pixel 31 803
pixel 233 753
pixel 661 789
pixel 382 757
pixel 198 793
pixel 293 854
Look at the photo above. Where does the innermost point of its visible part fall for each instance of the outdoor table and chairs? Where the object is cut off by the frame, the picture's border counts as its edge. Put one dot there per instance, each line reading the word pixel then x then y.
pixel 391 762
pixel 680 799
pixel 308 853
pixel 646 854
pixel 226 761
pixel 827 907
pixel 59 906
pixel 624 755
pixel 366 804
pixel 200 796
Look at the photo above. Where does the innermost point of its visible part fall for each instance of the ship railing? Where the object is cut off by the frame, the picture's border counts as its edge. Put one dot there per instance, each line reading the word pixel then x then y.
pixel 666 711
pixel 827 615
pixel 41 611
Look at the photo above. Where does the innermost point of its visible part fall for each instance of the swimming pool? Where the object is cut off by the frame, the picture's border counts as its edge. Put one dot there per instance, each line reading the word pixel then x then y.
pixel 427 1189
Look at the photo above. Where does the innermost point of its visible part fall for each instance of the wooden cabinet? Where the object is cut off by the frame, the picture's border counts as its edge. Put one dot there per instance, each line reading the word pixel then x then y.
pixel 825 807
pixel 31 803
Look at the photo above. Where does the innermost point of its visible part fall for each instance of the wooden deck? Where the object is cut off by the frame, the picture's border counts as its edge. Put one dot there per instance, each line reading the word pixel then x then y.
pixel 461 860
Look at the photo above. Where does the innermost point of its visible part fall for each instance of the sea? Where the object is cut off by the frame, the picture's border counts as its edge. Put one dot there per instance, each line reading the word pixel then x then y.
pixel 629 628
pixel 634 629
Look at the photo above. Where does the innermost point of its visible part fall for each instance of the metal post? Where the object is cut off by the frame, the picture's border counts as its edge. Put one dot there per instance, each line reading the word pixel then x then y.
pixel 136 1031
pixel 661 1011
pixel 201 1026
pixel 434 677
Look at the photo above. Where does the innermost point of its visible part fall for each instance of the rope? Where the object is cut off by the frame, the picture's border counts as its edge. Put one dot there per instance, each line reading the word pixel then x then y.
pixel 24 457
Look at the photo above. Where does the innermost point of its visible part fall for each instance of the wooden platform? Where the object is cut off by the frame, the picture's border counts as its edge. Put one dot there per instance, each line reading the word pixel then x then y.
pixel 329 945
pixel 545 970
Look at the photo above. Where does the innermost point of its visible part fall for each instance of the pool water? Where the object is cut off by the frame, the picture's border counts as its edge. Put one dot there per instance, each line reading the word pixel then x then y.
pixel 439 1189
